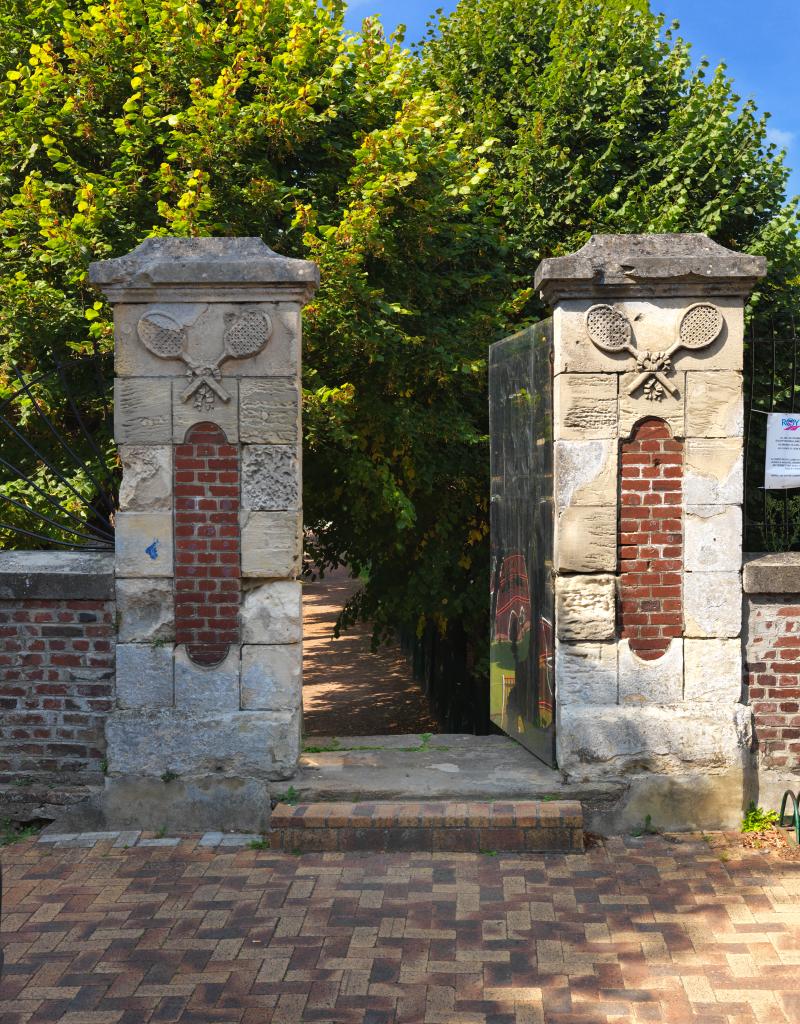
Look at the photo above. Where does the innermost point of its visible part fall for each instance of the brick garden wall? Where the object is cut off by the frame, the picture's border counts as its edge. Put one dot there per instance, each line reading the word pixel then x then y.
pixel 650 539
pixel 56 670
pixel 772 676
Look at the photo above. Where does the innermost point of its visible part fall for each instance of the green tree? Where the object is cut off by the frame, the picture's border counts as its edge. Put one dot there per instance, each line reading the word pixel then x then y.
pixel 130 118
pixel 602 126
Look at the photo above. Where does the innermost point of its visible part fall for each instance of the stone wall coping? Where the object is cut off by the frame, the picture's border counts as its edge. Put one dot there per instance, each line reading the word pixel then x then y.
pixel 202 265
pixel 775 572
pixel 57 575
pixel 654 264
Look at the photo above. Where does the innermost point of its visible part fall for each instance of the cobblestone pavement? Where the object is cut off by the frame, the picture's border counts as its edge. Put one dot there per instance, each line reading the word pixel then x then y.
pixel 636 930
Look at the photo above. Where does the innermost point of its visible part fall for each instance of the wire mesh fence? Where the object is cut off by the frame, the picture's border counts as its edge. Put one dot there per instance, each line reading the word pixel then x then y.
pixel 771 517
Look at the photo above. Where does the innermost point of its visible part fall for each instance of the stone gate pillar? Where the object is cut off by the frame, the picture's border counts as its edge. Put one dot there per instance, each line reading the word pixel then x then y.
pixel 208 535
pixel 648 425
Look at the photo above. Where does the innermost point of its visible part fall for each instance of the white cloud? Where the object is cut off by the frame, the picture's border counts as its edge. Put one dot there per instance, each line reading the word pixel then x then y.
pixel 782 139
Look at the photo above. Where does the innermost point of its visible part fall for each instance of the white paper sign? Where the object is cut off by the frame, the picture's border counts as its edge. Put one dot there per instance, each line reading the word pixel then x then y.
pixel 782 468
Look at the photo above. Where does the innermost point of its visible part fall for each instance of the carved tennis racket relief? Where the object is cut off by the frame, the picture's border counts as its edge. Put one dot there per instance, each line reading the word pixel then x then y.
pixel 246 334
pixel 611 331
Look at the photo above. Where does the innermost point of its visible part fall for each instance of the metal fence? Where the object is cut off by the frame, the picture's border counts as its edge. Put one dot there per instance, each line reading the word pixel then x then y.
pixel 771 518
pixel 58 484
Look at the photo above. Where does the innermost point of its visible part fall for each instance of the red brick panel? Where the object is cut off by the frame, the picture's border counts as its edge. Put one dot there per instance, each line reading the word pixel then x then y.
pixel 207 585
pixel 56 688
pixel 651 539
pixel 773 677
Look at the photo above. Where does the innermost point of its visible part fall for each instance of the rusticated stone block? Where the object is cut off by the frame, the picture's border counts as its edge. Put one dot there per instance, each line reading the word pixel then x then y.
pixel 586 673
pixel 586 472
pixel 142 411
pixel 143 542
pixel 145 611
pixel 204 688
pixel 585 406
pixel 657 681
pixel 271 676
pixel 271 544
pixel 635 407
pixel 712 670
pixel 713 538
pixel 146 478
pixel 712 604
pixel 270 477
pixel 272 613
pixel 714 404
pixel 586 540
pixel 714 473
pixel 269 411
pixel 144 676
pixel 191 411
pixel 585 607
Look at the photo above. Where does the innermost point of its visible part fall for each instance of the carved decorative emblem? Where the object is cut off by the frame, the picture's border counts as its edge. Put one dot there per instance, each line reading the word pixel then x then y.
pixel 245 335
pixel 611 331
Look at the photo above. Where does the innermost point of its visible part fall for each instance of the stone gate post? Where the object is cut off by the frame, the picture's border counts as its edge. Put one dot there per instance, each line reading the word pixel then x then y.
pixel 648 425
pixel 208 535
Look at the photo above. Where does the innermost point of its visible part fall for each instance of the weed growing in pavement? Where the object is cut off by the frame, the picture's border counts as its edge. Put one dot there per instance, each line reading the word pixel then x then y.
pixel 758 820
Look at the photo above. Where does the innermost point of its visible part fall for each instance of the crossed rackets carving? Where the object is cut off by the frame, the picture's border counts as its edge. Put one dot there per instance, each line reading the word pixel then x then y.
pixel 245 335
pixel 611 331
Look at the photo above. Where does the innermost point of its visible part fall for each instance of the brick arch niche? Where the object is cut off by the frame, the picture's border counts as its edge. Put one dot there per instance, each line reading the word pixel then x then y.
pixel 207 544
pixel 650 539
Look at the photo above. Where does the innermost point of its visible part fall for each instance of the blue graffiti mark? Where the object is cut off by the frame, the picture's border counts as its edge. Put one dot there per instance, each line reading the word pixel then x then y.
pixel 152 550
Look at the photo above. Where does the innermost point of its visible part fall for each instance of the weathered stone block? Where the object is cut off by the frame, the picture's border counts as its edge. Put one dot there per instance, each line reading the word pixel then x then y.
pixel 146 478
pixel 712 671
pixel 595 741
pixel 714 471
pixel 270 477
pixel 256 744
pixel 145 610
pixel 586 673
pixel 142 411
pixel 586 539
pixel 585 406
pixel 651 682
pixel 714 404
pixel 271 544
pixel 712 538
pixel 585 607
pixel 269 411
pixel 712 604
pixel 202 689
pixel 272 677
pixel 655 327
pixel 635 407
pixel 144 676
pixel 272 613
pixel 193 410
pixel 586 472
pixel 143 543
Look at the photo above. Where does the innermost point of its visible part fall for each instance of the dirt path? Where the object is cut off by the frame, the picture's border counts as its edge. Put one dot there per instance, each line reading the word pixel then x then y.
pixel 349 690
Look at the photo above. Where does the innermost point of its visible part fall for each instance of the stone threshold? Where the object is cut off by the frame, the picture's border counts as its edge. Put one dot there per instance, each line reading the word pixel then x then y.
pixel 523 826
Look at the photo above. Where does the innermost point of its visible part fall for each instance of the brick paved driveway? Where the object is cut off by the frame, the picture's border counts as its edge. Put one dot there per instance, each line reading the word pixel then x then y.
pixel 637 930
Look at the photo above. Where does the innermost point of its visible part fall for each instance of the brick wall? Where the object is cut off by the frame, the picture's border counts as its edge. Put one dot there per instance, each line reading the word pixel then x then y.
pixel 56 666
pixel 772 675
pixel 207 585
pixel 650 539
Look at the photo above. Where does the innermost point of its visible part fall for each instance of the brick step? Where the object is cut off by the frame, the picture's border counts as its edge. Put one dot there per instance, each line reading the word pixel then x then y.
pixel 518 826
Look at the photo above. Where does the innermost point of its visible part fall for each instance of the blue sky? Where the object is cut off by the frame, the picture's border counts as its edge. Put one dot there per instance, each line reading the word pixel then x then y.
pixel 758 42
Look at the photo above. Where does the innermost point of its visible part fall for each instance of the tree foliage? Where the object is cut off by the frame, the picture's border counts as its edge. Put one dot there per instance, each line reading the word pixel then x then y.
pixel 427 186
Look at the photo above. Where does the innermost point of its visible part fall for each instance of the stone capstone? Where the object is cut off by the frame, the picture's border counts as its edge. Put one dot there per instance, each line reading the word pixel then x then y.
pixel 773 573
pixel 56 575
